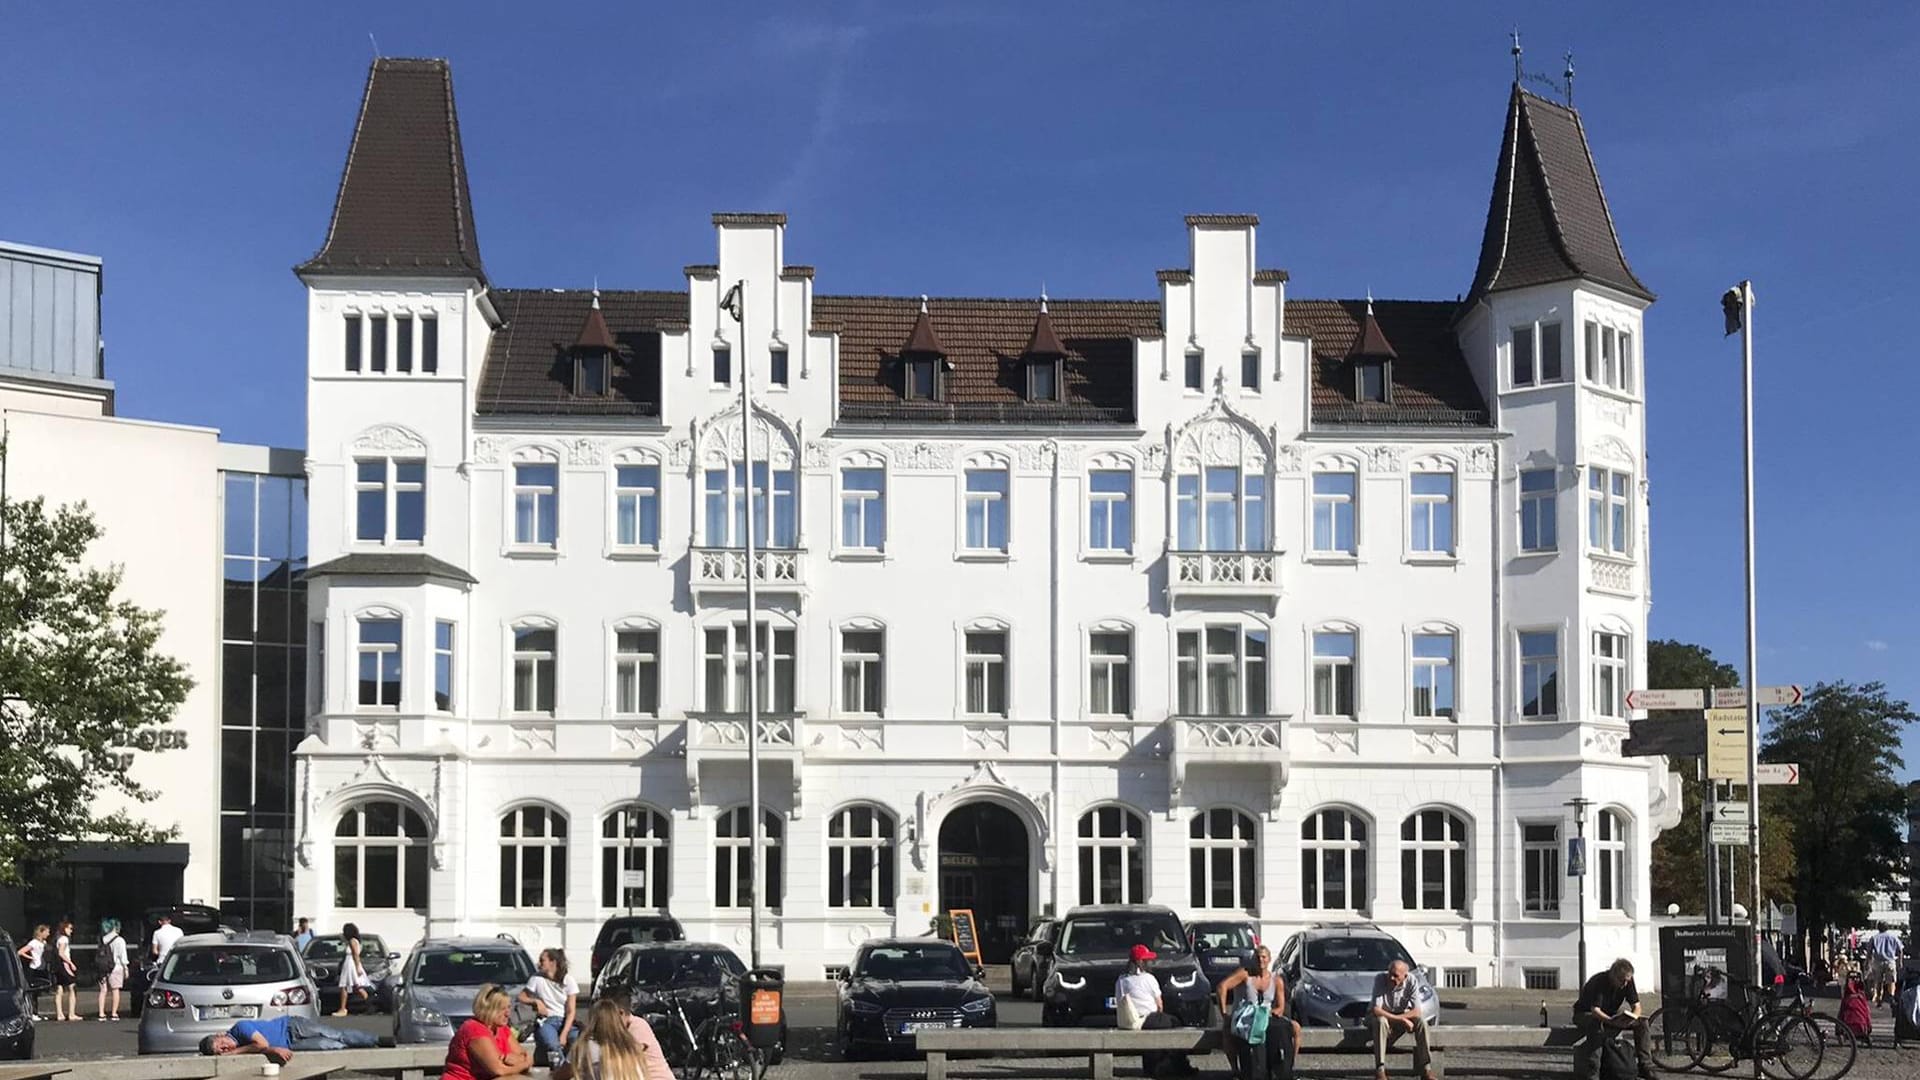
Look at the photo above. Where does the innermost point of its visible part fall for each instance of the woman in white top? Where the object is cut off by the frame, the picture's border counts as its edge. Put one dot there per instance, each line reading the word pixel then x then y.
pixel 113 969
pixel 553 994
pixel 1138 1006
pixel 34 954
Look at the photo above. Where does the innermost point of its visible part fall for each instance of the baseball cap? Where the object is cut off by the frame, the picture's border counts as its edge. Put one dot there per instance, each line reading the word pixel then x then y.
pixel 1142 953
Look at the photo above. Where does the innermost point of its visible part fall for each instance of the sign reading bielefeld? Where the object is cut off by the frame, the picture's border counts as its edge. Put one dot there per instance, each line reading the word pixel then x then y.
pixel 1727 744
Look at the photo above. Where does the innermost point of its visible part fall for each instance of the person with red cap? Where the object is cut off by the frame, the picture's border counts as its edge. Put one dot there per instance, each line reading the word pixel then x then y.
pixel 1137 1006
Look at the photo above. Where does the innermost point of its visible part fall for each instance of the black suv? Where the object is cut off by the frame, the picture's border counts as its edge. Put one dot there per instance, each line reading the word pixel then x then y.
pixel 632 930
pixel 16 1004
pixel 1089 953
pixel 1029 967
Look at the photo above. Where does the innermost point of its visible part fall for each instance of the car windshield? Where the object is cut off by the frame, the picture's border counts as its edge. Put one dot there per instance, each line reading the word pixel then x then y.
pixel 685 967
pixel 1223 936
pixel 1354 954
pixel 900 962
pixel 333 948
pixel 471 967
pixel 640 933
pixel 8 966
pixel 226 965
pixel 1119 931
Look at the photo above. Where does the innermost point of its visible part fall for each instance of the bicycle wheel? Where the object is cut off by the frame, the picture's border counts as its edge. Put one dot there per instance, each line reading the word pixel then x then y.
pixel 724 1053
pixel 1839 1047
pixel 1789 1047
pixel 1725 1037
pixel 1679 1039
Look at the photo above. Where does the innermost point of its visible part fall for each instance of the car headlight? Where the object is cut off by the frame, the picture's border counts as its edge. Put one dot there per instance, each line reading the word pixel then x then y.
pixel 1187 983
pixel 1320 993
pixel 977 1005
pixel 865 1008
pixel 13 1026
pixel 1426 992
pixel 427 1017
pixel 1068 982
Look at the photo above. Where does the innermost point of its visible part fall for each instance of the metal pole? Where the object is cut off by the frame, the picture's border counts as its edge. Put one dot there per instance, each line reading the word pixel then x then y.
pixel 753 643
pixel 1709 850
pixel 1753 646
pixel 1579 805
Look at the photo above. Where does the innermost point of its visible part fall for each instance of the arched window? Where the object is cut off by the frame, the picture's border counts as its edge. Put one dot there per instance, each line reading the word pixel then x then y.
pixel 732 870
pixel 1113 853
pixel 1433 862
pixel 1610 854
pixel 635 858
pixel 860 858
pixel 380 857
pixel 1222 863
pixel 1333 861
pixel 533 858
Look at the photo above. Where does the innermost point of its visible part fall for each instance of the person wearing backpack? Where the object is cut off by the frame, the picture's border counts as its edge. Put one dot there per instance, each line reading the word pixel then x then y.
pixel 110 964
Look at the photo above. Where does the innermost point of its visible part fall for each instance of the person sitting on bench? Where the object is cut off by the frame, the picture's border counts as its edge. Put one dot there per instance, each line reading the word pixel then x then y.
pixel 278 1038
pixel 1396 1011
pixel 1610 1003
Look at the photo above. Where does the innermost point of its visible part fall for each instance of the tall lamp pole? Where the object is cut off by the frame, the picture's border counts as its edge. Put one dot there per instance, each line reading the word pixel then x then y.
pixel 1737 304
pixel 735 303
pixel 1579 869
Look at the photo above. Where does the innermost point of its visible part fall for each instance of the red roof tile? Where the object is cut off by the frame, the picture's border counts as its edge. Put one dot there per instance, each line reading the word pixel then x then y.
pixel 1431 382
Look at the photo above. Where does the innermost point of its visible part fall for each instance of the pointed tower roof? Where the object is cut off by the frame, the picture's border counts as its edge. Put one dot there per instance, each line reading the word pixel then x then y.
pixel 403 205
pixel 594 333
pixel 923 339
pixel 1548 219
pixel 1371 343
pixel 1043 341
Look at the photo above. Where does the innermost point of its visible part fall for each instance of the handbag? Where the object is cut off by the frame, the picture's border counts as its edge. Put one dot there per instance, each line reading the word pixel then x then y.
pixel 1126 1017
pixel 1250 1022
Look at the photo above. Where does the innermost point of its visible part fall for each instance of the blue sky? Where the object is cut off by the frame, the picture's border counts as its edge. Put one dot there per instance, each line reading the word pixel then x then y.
pixel 985 148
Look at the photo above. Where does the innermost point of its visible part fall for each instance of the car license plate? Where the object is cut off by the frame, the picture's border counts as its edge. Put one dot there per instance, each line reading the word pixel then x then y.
pixel 910 1026
pixel 229 1012
pixel 1109 1003
pixel 1224 961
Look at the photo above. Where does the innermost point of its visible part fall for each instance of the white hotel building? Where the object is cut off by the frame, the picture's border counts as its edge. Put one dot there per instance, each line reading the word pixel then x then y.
pixel 1223 599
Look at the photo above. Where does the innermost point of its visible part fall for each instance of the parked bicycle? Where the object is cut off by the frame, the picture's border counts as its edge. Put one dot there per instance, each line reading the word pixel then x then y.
pixel 714 1048
pixel 1712 1035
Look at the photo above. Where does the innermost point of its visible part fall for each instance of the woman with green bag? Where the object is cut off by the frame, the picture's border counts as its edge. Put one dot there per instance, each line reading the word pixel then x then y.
pixel 1254 1002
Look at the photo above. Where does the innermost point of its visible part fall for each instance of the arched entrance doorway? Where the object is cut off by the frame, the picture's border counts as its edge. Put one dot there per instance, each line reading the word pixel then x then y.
pixel 984 866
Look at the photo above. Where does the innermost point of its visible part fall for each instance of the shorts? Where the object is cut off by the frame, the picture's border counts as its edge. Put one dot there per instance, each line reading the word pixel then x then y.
pixel 114 979
pixel 1881 970
pixel 63 977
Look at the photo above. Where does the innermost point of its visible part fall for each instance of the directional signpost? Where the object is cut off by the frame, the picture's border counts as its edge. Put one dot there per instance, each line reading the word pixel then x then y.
pixel 1729 834
pixel 1723 698
pixel 1779 773
pixel 1727 746
pixel 1732 813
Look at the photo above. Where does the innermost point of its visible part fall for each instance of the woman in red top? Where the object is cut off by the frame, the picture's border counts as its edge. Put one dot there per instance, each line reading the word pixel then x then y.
pixel 484 1047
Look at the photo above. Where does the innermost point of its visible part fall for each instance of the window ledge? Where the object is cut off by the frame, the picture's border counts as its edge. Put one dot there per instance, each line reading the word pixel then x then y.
pixel 1615 558
pixel 1333 558
pixel 1428 558
pixel 530 552
pixel 982 556
pixel 634 554
pixel 1538 388
pixel 1613 392
pixel 859 555
pixel 1542 553
pixel 1106 555
pixel 1541 916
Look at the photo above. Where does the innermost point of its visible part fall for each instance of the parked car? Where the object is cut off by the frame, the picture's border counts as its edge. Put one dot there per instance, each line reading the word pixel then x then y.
pixel 629 929
pixel 1090 953
pixel 324 955
pixel 190 918
pixel 436 991
pixel 1029 968
pixel 897 987
pixel 1330 970
pixel 210 981
pixel 16 1005
pixel 702 978
pixel 1223 946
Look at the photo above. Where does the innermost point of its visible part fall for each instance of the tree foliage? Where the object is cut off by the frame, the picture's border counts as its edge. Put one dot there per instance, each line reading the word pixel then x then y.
pixel 1849 808
pixel 80 681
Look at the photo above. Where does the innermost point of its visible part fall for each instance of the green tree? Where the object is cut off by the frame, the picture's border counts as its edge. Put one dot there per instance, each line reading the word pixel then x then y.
pixel 1848 809
pixel 80 680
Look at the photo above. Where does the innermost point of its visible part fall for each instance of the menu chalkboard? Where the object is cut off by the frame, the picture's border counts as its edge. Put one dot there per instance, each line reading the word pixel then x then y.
pixel 964 934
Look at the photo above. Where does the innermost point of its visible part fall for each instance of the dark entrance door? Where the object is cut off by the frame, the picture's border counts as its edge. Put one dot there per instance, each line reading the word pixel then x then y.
pixel 983 866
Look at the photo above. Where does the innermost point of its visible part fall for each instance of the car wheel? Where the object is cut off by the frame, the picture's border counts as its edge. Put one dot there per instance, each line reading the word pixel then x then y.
pixel 1017 988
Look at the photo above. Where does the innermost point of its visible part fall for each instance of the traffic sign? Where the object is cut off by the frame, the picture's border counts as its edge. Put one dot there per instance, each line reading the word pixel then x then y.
pixel 1726 834
pixel 1736 698
pixel 1726 744
pixel 1666 699
pixel 1727 698
pixel 1779 773
pixel 1733 813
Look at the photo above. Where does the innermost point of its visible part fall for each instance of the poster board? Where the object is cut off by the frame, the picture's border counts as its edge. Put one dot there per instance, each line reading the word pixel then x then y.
pixel 965 934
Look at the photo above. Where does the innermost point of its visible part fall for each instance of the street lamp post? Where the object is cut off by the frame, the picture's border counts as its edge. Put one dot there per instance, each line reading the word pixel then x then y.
pixel 1579 868
pixel 735 304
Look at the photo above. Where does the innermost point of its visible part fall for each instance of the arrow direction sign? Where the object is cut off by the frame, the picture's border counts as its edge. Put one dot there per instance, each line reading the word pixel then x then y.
pixel 1666 699
pixel 1729 834
pixel 1733 813
pixel 1733 698
pixel 1736 698
pixel 1726 744
pixel 1778 773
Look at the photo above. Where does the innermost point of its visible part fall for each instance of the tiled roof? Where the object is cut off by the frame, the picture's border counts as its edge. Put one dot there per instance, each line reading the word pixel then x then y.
pixel 1548 218
pixel 1431 382
pixel 529 368
pixel 1371 342
pixel 403 205
pixel 390 564
pixel 1044 341
pixel 984 341
pixel 594 334
pixel 1227 220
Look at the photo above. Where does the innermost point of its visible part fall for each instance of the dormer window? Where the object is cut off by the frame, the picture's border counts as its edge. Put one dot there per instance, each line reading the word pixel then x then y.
pixel 1043 380
pixel 1370 381
pixel 922 378
pixel 592 374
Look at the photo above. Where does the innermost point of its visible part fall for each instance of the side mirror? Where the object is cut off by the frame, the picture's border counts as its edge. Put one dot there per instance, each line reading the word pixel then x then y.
pixel 393 956
pixel 979 972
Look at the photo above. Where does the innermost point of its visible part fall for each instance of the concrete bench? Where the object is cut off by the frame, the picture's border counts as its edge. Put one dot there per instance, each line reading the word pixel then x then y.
pixel 41 1071
pixel 397 1062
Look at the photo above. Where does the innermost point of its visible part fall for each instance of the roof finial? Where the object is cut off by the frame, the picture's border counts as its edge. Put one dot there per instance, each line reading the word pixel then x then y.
pixel 375 42
pixel 596 291
pixel 1569 77
pixel 1369 299
pixel 1043 297
pixel 923 303
pixel 1516 55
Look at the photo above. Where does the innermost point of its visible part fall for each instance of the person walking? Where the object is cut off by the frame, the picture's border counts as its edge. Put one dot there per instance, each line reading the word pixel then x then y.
pixel 614 1045
pixel 484 1047
pixel 554 996
pixel 1396 1012
pixel 1884 953
pixel 34 955
pixel 1243 995
pixel 353 974
pixel 1610 1003
pixel 66 977
pixel 165 937
pixel 110 960
pixel 302 935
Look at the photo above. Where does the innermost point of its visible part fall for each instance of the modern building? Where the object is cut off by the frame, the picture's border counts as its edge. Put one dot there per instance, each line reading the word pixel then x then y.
pixel 65 442
pixel 1222 597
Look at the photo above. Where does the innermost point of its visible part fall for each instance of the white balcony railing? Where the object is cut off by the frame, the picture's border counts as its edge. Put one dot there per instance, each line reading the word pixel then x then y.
pixel 1223 573
pixel 725 569
pixel 730 732
pixel 1233 741
pixel 1611 575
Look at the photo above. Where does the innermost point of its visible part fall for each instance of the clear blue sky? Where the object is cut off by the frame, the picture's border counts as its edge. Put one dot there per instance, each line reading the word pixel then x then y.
pixel 983 149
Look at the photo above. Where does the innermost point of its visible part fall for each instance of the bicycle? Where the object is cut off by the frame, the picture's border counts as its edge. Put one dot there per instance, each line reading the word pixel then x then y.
pixel 714 1047
pixel 1712 1035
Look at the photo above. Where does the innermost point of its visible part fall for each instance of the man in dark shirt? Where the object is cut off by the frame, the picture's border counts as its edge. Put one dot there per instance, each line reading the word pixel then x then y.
pixel 1609 1003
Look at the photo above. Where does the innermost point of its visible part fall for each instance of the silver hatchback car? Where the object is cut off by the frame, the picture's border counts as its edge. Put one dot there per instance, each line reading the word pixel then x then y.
pixel 436 991
pixel 212 981
pixel 1331 969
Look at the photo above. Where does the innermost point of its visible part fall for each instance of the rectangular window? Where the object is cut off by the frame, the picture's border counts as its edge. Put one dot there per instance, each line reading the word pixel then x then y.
pixel 1523 367
pixel 429 344
pixel 1043 381
pixel 986 518
pixel 390 500
pixel 536 497
pixel 443 666
pixel 1540 859
pixel 863 509
pixel 986 665
pixel 636 673
pixel 1333 664
pixel 1222 671
pixel 1250 370
pixel 1220 509
pixel 863 672
pixel 351 332
pixel 1373 381
pixel 378 324
pixel 1110 673
pixel 1433 676
pixel 1432 513
pixel 1196 370
pixel 1610 676
pixel 726 502
pixel 1333 497
pixel 777 367
pixel 533 676
pixel 727 669
pixel 403 343
pixel 379 650
pixel 1592 340
pixel 722 365
pixel 1608 520
pixel 921 376
pixel 636 506
pixel 370 500
pixel 1551 369
pixel 1539 674
pixel 1539 510
pixel 1626 361
pixel 1537 358
pixel 1110 510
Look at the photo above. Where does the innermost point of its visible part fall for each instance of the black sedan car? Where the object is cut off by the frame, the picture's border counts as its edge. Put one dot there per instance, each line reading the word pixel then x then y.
pixel 16 1005
pixel 1029 967
pixel 1090 953
pixel 1223 946
pixel 324 955
pixel 897 987
pixel 698 979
